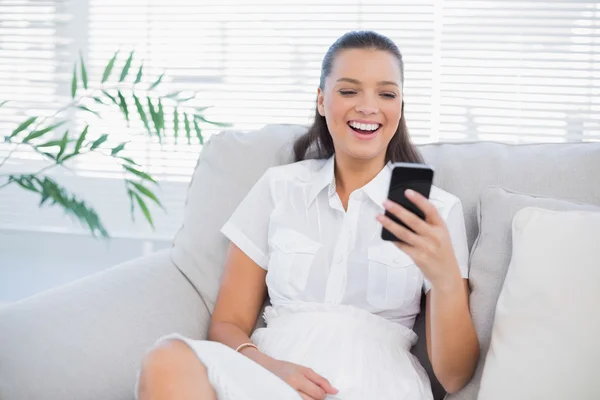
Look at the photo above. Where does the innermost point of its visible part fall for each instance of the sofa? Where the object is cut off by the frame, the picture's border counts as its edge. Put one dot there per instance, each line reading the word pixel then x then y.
pixel 85 340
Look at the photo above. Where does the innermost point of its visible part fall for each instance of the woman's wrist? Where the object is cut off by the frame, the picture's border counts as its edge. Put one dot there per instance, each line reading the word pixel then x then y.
pixel 449 283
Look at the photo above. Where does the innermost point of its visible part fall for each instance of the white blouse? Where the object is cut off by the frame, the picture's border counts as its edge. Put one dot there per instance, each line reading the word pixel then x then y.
pixel 293 224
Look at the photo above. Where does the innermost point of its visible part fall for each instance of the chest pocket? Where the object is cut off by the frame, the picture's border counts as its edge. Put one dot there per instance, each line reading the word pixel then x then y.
pixel 292 257
pixel 394 280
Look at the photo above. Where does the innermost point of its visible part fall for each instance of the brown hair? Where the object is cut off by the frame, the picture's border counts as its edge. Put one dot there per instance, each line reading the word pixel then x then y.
pixel 400 148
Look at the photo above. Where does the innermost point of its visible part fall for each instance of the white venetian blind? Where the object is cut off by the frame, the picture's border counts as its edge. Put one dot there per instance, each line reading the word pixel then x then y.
pixel 515 71
pixel 520 71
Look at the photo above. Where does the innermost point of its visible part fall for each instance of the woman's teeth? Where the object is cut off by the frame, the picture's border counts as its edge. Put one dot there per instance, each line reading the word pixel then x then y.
pixel 363 127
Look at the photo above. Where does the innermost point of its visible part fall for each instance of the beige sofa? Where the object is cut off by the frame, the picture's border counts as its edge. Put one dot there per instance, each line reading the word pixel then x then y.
pixel 85 340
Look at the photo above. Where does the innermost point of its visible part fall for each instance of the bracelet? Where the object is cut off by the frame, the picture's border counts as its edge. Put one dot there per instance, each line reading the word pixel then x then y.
pixel 244 345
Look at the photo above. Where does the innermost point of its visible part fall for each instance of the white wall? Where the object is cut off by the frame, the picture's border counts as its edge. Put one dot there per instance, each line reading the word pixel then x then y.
pixel 31 262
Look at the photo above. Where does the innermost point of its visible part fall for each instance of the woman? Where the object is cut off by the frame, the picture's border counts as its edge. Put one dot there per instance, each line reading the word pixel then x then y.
pixel 343 301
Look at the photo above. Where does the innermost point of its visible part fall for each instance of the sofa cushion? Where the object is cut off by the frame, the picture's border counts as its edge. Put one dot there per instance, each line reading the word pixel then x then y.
pixel 544 341
pixel 490 258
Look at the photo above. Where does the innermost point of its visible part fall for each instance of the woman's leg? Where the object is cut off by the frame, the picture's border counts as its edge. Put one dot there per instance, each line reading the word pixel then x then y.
pixel 172 371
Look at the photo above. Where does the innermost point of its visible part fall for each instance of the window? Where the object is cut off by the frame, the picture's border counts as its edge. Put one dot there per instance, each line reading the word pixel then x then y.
pixel 514 71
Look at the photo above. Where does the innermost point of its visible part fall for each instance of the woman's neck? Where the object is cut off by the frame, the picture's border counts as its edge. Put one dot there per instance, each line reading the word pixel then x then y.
pixel 352 174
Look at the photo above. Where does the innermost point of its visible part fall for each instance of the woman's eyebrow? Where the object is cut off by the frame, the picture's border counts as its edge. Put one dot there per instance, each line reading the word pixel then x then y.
pixel 357 82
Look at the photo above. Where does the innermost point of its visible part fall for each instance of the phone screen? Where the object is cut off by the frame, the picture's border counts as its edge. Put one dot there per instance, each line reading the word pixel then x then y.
pixel 417 177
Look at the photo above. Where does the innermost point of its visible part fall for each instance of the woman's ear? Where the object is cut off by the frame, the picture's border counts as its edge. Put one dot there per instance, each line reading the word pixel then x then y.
pixel 320 100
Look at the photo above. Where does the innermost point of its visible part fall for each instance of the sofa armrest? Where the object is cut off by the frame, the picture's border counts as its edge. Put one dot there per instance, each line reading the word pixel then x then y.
pixel 85 340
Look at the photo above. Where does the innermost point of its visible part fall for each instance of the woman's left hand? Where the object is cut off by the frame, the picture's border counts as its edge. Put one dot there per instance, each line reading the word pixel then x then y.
pixel 429 245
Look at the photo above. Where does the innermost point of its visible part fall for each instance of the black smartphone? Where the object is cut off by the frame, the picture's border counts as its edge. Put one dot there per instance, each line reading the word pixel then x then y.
pixel 418 177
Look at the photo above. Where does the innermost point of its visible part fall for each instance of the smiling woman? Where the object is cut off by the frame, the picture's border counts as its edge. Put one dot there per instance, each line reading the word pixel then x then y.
pixel 343 301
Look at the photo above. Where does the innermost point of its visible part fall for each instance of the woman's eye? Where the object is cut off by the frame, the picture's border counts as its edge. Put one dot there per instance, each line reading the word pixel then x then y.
pixel 347 92
pixel 389 95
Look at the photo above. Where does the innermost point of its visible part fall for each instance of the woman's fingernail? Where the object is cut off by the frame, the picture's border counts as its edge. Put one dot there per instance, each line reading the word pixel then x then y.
pixel 387 203
pixel 409 193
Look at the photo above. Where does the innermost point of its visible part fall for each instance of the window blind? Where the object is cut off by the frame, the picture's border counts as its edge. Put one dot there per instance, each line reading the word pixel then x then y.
pixel 514 71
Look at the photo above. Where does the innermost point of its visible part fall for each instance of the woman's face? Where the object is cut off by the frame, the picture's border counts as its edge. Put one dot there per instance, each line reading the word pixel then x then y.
pixel 362 102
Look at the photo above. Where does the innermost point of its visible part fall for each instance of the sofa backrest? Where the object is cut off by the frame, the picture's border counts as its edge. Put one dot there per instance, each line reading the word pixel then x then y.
pixel 231 162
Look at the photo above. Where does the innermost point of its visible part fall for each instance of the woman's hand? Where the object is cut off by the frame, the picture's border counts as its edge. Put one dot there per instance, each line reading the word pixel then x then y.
pixel 429 245
pixel 307 382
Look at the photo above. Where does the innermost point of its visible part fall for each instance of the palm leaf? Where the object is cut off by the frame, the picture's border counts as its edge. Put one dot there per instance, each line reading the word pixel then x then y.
pixel 4 102
pixel 139 173
pixel 84 108
pixel 109 68
pixel 201 118
pixel 37 134
pixel 198 132
pixel 125 70
pixel 63 145
pixel 176 123
pixel 157 82
pixel 110 97
pixel 81 139
pixel 99 141
pixel 22 127
pixel 84 77
pixel 141 112
pixel 74 83
pixel 188 130
pixel 154 116
pixel 123 105
pixel 144 209
pixel 146 192
pixel 117 149
pixel 138 77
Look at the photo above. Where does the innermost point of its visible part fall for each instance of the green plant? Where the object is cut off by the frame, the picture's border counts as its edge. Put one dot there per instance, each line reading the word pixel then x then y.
pixel 136 99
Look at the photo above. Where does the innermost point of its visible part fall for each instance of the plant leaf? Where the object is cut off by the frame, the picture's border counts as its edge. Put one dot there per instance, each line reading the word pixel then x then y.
pixel 157 82
pixel 109 67
pixel 131 204
pixel 129 160
pixel 141 112
pixel 200 110
pixel 4 102
pixel 37 134
pixel 144 209
pixel 81 139
pixel 84 77
pixel 201 118
pixel 147 192
pixel 71 205
pixel 74 82
pixel 176 123
pixel 98 100
pixel 84 108
pixel 110 97
pixel 172 95
pixel 154 116
pixel 161 115
pixel 117 149
pixel 126 67
pixel 188 130
pixel 50 143
pixel 123 105
pixel 139 173
pixel 24 181
pixel 138 77
pixel 63 145
pixel 22 127
pixel 198 132
pixel 99 141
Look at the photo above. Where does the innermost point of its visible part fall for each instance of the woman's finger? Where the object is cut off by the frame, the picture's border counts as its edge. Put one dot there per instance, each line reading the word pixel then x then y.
pixel 321 381
pixel 305 397
pixel 403 234
pixel 311 389
pixel 410 219
pixel 431 213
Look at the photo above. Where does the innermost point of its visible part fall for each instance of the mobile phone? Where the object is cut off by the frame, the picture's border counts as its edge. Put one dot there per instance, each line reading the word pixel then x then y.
pixel 418 177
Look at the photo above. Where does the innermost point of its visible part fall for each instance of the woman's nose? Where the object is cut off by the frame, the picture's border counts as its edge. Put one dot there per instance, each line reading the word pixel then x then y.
pixel 367 107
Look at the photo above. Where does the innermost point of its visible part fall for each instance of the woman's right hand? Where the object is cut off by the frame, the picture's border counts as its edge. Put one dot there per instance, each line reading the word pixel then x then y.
pixel 305 381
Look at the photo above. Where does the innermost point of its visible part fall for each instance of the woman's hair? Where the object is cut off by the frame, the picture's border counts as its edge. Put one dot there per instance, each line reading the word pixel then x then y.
pixel 400 148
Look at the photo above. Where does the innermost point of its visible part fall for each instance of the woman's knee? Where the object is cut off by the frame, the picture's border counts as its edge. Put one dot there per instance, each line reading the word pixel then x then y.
pixel 169 356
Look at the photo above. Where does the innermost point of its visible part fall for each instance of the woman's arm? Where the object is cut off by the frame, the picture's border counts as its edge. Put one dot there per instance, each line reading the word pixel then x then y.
pixel 452 343
pixel 241 296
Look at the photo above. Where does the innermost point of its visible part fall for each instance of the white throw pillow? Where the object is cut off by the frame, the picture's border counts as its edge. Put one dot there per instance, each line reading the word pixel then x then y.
pixel 546 334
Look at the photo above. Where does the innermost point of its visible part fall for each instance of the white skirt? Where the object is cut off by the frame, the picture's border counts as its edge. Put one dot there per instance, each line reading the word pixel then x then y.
pixel 364 356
